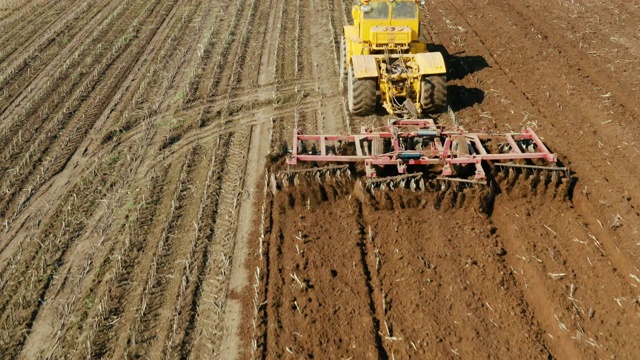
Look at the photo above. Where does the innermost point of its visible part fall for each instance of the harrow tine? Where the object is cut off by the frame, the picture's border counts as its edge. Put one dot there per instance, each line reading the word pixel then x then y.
pixel 525 166
pixel 563 187
pixel 504 171
pixel 359 191
pixel 283 180
pixel 393 182
pixel 444 185
pixel 292 177
pixel 414 183
pixel 534 181
pixel 545 178
pixel 286 180
pixel 273 183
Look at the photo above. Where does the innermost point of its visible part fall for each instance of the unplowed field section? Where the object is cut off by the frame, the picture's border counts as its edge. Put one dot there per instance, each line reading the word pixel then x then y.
pixel 133 134
pixel 136 220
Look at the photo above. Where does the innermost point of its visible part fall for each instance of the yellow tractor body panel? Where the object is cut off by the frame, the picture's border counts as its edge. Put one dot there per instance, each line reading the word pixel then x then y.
pixel 411 24
pixel 353 43
pixel 351 34
pixel 390 36
pixel 430 63
pixel 364 66
pixel 418 47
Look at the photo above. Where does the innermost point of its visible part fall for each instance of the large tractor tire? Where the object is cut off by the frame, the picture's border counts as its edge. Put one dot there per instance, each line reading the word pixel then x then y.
pixel 362 94
pixel 343 63
pixel 433 94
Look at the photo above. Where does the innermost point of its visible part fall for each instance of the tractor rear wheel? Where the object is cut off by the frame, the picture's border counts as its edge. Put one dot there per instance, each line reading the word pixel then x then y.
pixel 433 94
pixel 343 63
pixel 362 94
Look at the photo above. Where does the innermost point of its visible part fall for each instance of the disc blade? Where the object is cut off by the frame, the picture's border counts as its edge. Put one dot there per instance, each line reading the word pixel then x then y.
pixel 273 183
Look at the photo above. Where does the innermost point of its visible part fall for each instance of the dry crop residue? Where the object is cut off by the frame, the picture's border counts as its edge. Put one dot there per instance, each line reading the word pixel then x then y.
pixel 439 275
pixel 134 137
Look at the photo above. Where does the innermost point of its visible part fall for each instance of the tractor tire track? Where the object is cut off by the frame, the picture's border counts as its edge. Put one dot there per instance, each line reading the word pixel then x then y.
pixel 82 110
pixel 37 56
pixel 209 321
pixel 17 39
pixel 42 144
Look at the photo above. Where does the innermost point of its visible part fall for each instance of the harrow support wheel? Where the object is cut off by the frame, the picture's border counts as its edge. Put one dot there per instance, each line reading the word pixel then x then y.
pixel 433 93
pixel 362 94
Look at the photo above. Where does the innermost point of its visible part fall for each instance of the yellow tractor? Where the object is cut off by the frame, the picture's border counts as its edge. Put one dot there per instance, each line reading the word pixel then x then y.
pixel 383 52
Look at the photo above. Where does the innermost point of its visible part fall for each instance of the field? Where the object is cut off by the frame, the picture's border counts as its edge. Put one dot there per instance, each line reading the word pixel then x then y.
pixel 136 143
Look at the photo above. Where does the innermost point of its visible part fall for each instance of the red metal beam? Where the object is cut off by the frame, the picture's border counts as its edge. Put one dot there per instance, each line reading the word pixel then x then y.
pixel 437 154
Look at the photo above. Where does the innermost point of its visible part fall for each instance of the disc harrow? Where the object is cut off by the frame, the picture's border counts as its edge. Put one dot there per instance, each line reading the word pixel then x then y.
pixel 418 155
pixel 292 177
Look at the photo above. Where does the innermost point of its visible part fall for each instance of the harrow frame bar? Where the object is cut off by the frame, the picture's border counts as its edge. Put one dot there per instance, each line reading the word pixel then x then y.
pixel 439 152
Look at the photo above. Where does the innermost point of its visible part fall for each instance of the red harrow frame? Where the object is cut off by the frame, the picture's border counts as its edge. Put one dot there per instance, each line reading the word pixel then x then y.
pixel 410 146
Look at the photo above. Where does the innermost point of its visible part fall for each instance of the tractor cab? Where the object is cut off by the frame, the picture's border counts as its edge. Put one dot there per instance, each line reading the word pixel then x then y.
pixel 392 10
pixel 384 24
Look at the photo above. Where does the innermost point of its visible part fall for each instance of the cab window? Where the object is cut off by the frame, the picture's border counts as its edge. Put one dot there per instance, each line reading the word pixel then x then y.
pixel 405 10
pixel 379 10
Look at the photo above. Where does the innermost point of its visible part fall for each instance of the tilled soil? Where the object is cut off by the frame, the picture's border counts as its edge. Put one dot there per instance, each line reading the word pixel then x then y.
pixel 136 218
pixel 438 275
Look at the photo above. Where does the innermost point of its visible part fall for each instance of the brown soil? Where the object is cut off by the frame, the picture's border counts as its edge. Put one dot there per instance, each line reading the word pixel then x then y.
pixel 136 221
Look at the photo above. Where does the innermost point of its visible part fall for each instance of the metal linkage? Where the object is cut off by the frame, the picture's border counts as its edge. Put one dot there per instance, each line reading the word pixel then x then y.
pixel 411 145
